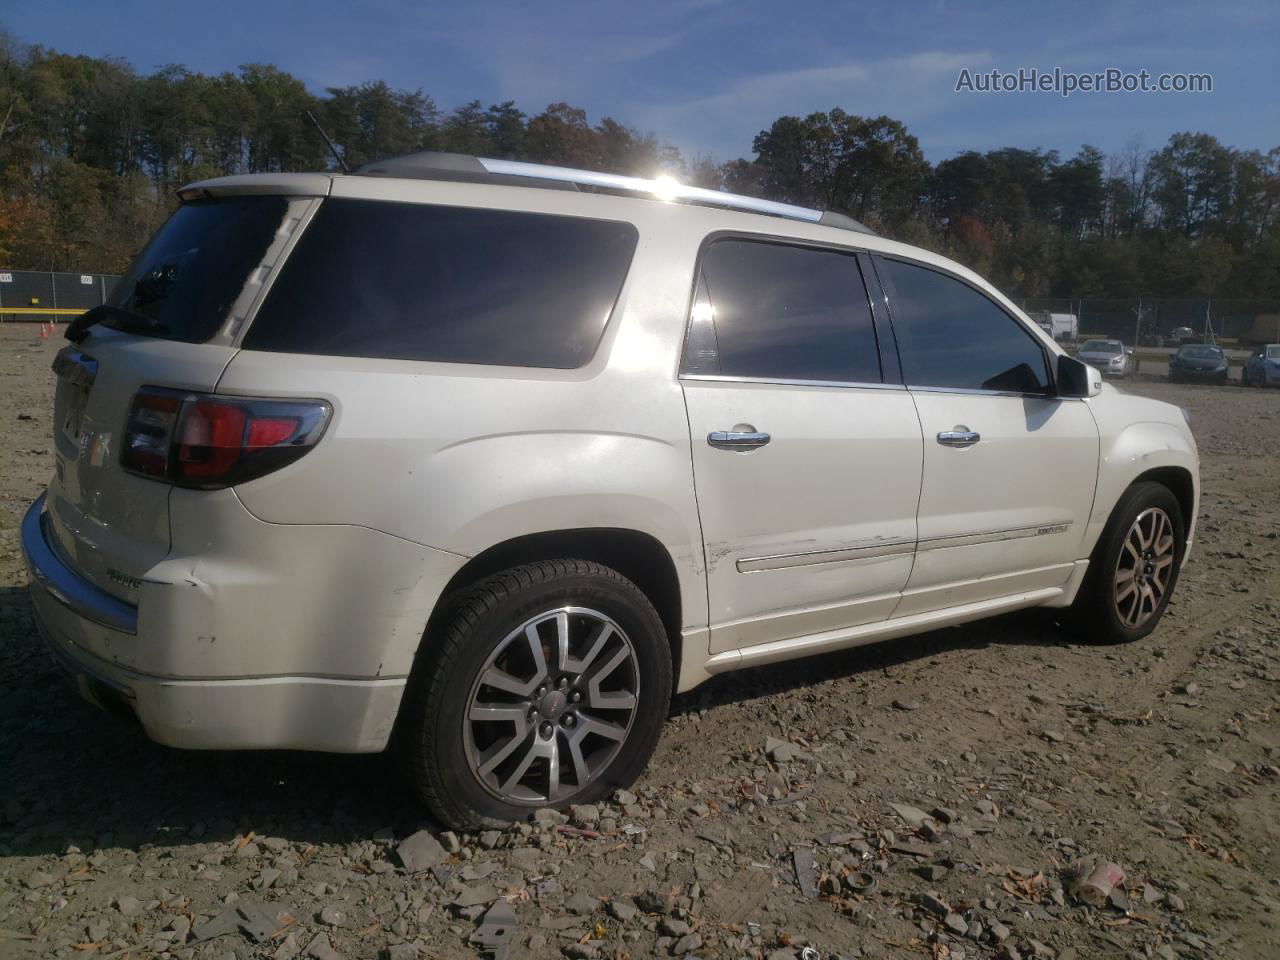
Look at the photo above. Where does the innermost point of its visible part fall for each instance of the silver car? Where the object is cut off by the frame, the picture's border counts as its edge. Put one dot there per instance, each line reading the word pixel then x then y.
pixel 1109 356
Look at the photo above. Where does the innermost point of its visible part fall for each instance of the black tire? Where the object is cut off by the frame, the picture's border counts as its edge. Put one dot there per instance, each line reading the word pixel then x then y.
pixel 1095 611
pixel 430 737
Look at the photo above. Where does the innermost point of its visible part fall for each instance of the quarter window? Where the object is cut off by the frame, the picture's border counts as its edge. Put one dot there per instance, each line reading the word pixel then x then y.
pixel 774 311
pixel 422 282
pixel 950 335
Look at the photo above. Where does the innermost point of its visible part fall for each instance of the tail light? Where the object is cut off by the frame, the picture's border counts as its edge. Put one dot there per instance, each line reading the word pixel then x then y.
pixel 199 440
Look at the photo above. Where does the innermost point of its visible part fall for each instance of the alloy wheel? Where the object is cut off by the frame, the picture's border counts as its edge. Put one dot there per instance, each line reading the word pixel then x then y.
pixel 551 707
pixel 1145 567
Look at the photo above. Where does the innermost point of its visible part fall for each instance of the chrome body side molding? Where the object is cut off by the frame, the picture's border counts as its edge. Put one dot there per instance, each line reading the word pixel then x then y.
pixel 896 548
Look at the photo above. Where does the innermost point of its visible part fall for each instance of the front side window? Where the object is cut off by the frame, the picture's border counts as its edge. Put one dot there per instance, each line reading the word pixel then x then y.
pixel 410 281
pixel 773 311
pixel 951 335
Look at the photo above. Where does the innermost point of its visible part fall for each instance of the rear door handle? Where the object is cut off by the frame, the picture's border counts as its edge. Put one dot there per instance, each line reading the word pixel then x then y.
pixel 737 439
pixel 959 437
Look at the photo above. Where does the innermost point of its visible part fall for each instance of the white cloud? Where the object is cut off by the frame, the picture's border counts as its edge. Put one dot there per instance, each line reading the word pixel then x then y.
pixel 723 123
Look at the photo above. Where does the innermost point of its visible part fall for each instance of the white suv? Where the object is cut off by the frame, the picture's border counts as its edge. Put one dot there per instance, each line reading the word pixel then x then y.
pixel 485 459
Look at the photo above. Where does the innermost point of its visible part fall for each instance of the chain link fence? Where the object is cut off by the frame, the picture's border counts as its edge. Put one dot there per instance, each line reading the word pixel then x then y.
pixel 38 295
pixel 1155 322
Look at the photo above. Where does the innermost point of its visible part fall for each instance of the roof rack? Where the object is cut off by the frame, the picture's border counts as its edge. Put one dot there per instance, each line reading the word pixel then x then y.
pixel 432 165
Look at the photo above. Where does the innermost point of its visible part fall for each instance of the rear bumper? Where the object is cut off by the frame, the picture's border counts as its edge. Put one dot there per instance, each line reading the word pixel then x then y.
pixel 75 617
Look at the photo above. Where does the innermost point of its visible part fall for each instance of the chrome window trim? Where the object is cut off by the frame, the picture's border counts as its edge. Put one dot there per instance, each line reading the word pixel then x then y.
pixel 971 391
pixel 784 561
pixel 779 382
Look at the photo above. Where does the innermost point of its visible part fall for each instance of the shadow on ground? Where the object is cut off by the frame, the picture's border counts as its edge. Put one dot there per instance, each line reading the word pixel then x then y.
pixel 74 775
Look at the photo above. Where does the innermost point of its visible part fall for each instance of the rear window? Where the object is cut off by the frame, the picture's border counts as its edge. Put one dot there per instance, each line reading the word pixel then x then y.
pixel 187 278
pixel 421 282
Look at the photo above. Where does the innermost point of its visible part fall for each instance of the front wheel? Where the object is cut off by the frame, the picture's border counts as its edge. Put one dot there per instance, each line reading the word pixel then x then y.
pixel 548 686
pixel 1134 567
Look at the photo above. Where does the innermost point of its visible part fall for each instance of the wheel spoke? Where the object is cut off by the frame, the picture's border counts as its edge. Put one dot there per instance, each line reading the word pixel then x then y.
pixel 579 762
pixel 516 713
pixel 499 679
pixel 595 644
pixel 554 789
pixel 1133 550
pixel 590 725
pixel 496 754
pixel 562 641
pixel 539 658
pixel 530 755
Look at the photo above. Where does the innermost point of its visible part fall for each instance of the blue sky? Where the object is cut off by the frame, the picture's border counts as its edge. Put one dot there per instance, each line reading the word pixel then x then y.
pixel 707 75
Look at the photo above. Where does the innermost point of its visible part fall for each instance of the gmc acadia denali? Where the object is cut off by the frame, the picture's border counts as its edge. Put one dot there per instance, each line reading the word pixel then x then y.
pixel 482 460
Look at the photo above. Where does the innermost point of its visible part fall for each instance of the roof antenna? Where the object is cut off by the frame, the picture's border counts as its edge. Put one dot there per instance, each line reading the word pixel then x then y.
pixel 332 149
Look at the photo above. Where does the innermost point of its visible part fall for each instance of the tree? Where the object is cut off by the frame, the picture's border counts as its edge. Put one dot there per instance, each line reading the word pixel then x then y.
pixel 371 121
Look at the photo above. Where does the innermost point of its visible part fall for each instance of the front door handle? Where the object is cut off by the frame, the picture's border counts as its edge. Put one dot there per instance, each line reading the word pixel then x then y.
pixel 737 439
pixel 961 436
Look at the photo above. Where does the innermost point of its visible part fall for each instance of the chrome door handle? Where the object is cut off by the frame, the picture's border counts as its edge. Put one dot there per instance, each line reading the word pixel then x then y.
pixel 737 439
pixel 959 437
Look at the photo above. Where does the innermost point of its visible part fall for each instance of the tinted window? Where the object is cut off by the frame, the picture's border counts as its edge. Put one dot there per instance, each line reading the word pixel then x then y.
pixel 950 335
pixel 1102 346
pixel 1201 353
pixel 417 282
pixel 781 312
pixel 192 271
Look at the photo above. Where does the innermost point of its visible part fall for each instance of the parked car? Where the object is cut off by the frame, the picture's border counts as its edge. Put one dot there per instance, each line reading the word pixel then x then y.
pixel 1109 356
pixel 1180 335
pixel 1199 362
pixel 1060 326
pixel 446 457
pixel 1262 369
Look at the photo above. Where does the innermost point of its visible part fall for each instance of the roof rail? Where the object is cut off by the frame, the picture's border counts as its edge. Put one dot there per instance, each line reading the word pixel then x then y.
pixel 666 188
pixel 433 165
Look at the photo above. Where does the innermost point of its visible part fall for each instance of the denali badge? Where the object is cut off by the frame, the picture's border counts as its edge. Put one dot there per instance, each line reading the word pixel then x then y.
pixel 133 583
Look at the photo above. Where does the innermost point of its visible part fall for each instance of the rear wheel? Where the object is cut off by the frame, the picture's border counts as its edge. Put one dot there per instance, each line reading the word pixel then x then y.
pixel 1134 568
pixel 548 686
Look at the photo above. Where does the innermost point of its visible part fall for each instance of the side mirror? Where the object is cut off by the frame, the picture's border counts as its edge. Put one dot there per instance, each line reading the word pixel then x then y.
pixel 1077 379
pixel 1129 350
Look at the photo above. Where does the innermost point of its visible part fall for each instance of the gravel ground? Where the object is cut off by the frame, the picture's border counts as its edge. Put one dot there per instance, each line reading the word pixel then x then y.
pixel 927 797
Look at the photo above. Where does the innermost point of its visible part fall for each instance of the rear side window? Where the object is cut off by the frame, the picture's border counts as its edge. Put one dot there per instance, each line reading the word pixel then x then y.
pixel 187 278
pixel 778 312
pixel 950 335
pixel 419 282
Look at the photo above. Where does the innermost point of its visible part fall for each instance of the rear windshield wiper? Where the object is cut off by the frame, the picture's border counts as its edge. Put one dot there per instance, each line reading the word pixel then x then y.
pixel 120 319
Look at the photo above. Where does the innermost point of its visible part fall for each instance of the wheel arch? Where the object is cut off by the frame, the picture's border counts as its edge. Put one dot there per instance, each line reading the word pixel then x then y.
pixel 1180 484
pixel 1144 450
pixel 638 556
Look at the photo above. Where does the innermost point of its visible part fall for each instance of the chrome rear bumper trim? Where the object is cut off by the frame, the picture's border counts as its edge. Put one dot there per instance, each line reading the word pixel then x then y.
pixel 65 585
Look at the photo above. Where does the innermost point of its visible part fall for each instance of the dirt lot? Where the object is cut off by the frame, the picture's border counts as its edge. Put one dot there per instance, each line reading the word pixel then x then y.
pixel 1025 750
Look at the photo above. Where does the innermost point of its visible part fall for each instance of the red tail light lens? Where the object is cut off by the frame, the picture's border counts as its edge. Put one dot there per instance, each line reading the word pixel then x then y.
pixel 198 440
